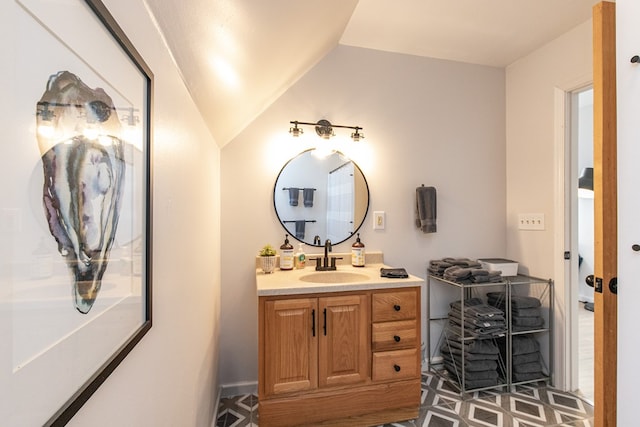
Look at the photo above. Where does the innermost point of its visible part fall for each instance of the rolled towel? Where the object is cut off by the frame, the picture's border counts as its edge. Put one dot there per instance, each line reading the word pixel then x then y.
pixel 307 197
pixel 426 209
pixel 293 196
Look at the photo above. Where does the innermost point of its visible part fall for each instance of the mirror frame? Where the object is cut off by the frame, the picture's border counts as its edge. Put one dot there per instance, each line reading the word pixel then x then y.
pixel 355 230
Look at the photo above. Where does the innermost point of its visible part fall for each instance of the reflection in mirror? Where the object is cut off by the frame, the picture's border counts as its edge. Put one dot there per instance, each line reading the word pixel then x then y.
pixel 321 198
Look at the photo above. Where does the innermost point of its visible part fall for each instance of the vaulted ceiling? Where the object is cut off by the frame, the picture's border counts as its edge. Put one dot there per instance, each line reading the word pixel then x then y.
pixel 237 56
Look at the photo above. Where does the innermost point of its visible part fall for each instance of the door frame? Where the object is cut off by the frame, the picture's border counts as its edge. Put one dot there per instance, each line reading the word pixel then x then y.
pixel 565 216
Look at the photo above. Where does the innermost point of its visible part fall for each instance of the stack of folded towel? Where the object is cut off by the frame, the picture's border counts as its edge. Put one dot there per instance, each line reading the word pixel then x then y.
pixel 525 310
pixel 438 266
pixel 480 320
pixel 463 270
pixel 481 359
pixel 526 360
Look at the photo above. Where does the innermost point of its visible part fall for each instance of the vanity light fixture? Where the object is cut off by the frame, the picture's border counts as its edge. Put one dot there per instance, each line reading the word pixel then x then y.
pixel 324 129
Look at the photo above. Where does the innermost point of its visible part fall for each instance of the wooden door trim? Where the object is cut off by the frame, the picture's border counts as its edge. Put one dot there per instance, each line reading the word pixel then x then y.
pixel 605 212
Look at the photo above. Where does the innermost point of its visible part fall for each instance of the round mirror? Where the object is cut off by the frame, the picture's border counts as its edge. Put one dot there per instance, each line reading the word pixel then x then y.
pixel 321 198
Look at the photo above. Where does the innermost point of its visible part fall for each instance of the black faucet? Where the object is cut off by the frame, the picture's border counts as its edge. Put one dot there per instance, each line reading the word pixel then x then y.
pixel 327 249
pixel 316 240
pixel 323 264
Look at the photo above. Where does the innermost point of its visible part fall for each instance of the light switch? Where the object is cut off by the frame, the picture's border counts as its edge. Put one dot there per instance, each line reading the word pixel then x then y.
pixel 378 220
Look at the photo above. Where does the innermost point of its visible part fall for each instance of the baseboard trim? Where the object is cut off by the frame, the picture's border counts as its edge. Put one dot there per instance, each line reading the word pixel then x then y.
pixel 214 421
pixel 237 389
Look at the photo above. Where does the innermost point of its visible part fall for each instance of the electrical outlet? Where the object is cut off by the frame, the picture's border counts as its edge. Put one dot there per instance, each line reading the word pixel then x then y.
pixel 378 220
pixel 532 221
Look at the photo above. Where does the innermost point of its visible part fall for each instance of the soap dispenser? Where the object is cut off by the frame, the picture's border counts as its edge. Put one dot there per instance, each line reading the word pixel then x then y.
pixel 286 254
pixel 357 253
pixel 301 257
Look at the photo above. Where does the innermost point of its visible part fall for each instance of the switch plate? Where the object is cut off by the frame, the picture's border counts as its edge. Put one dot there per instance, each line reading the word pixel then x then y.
pixel 531 221
pixel 378 220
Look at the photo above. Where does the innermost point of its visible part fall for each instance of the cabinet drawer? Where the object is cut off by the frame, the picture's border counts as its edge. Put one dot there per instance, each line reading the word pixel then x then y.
pixel 388 306
pixel 395 365
pixel 394 335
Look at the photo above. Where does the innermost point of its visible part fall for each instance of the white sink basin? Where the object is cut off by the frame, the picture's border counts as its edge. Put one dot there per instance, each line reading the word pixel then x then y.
pixel 334 277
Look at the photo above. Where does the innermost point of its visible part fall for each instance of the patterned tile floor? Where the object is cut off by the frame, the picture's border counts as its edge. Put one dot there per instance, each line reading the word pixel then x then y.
pixel 530 405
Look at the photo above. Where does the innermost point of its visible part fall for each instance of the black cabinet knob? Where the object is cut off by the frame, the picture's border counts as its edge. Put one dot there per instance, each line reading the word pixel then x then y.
pixel 396 367
pixel 396 307
pixel 635 247
pixel 396 338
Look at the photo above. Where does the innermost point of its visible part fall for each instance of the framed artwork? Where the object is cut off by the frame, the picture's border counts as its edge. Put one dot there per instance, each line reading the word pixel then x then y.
pixel 75 207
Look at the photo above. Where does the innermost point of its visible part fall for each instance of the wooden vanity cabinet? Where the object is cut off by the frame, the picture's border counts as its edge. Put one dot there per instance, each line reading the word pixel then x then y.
pixel 335 358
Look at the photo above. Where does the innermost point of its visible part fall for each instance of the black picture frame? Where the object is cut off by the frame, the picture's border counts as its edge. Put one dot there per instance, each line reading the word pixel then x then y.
pixel 23 227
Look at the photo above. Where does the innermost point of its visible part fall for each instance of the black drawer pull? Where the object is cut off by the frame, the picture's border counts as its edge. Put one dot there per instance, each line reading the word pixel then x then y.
pixel 313 322
pixel 396 338
pixel 396 307
pixel 396 367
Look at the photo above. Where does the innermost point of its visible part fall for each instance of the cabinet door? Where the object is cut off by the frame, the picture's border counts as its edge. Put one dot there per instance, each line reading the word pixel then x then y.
pixel 344 340
pixel 290 345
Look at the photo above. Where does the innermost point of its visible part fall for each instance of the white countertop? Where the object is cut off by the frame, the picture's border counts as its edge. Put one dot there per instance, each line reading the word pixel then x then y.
pixel 288 282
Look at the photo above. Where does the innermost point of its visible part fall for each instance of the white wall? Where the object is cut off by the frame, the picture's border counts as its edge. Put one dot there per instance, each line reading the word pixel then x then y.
pixel 426 121
pixel 628 95
pixel 170 377
pixel 534 159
